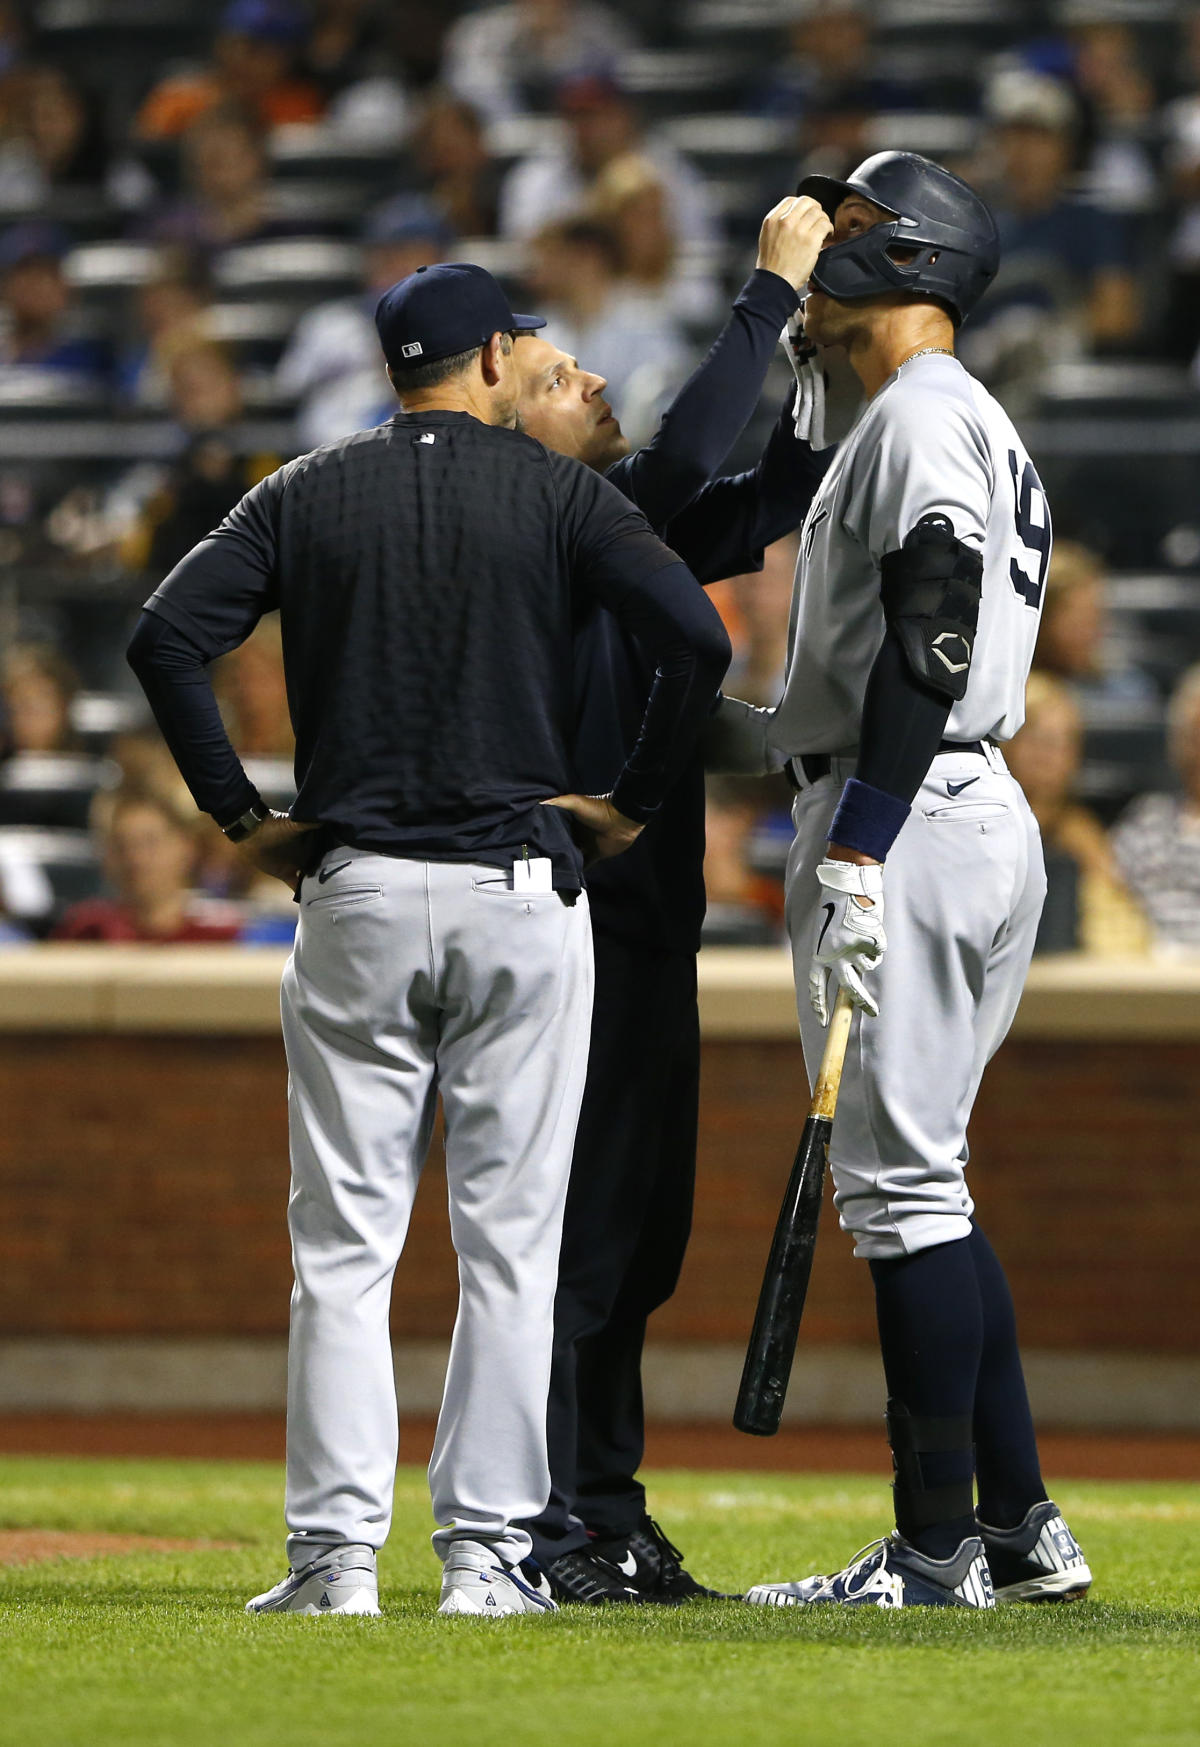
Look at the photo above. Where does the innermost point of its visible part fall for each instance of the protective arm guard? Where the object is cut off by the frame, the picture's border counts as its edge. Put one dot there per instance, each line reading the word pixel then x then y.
pixel 931 589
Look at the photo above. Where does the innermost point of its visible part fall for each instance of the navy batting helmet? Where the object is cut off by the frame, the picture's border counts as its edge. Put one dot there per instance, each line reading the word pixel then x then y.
pixel 941 241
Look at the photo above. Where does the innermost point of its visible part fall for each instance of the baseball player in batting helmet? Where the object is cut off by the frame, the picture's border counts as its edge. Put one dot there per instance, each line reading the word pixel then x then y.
pixel 917 598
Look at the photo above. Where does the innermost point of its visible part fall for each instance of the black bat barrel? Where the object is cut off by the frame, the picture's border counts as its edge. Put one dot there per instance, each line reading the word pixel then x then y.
pixel 785 1286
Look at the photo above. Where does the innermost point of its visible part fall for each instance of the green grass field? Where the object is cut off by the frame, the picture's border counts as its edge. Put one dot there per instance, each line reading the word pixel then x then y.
pixel 155 1648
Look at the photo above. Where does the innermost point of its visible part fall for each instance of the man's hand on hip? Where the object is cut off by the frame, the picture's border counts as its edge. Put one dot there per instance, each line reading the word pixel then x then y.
pixel 599 829
pixel 278 848
pixel 850 939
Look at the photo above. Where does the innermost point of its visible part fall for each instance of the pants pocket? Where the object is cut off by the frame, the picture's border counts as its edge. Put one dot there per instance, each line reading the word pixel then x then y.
pixel 344 898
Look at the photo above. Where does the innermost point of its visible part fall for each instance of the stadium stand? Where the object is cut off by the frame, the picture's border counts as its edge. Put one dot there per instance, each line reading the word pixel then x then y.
pixel 739 92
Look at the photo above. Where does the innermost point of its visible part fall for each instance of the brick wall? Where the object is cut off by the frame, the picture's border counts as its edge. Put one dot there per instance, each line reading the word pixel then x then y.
pixel 143 1185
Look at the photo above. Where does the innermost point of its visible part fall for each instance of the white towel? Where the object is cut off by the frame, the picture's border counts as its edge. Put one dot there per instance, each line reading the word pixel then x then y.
pixel 810 382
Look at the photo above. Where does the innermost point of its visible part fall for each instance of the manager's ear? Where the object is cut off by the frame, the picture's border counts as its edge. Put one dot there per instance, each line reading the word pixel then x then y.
pixel 496 359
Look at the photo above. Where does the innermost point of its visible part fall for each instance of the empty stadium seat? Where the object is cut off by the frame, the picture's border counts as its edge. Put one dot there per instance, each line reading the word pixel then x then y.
pixel 43 872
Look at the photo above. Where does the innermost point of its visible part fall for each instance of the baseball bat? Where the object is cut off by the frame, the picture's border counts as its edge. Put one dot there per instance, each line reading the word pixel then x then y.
pixel 772 1345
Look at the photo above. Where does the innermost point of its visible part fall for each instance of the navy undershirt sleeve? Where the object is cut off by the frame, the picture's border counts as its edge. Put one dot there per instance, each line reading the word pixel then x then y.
pixel 902 724
pixel 210 603
pixel 725 528
pixel 713 407
pixel 174 676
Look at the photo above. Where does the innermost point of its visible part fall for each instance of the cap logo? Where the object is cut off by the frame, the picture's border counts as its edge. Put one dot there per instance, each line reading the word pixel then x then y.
pixel 412 350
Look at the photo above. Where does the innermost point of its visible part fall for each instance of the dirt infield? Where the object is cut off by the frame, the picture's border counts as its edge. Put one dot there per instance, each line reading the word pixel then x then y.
pixel 807 1449
pixel 37 1546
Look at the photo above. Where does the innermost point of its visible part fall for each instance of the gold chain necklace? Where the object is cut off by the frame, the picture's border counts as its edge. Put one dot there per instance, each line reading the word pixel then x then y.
pixel 925 352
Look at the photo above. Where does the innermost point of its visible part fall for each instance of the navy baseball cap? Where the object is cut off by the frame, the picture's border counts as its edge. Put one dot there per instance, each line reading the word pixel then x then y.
pixel 438 311
pixel 407 218
pixel 34 240
pixel 275 21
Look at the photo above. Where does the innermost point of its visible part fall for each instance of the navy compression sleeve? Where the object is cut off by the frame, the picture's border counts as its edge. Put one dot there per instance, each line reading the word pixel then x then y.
pixel 174 676
pixel 724 529
pixel 713 407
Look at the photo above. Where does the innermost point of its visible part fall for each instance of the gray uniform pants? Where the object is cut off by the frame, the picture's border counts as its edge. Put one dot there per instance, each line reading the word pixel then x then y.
pixel 963 891
pixel 409 978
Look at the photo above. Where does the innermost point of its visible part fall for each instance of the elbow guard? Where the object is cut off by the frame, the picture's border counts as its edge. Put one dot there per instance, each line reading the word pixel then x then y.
pixel 931 589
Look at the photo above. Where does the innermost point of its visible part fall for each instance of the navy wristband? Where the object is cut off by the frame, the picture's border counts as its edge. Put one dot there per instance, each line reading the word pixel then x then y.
pixel 868 819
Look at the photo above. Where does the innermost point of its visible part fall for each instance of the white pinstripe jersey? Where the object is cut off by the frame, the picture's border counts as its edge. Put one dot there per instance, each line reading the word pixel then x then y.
pixel 932 440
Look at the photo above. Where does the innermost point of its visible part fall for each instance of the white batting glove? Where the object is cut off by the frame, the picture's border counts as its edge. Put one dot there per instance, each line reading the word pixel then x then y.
pixel 850 937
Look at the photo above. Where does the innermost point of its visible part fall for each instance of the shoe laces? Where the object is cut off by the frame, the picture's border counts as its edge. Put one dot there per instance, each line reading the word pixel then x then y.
pixel 864 1554
pixel 667 1550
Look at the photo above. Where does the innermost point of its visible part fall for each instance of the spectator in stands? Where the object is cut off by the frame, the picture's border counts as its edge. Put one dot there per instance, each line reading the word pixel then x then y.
pixel 630 198
pixel 509 59
pixel 210 473
pixel 253 65
pixel 622 335
pixel 758 623
pixel 53 140
pixel 332 363
pixel 1181 124
pixel 346 43
pixel 37 688
pixel 1065 283
pixel 830 54
pixel 228 198
pixel 40 327
pixel 1157 838
pixel 171 304
pixel 457 172
pixel 1088 904
pixel 1073 642
pixel 1119 96
pixel 745 908
pixel 603 128
pixel 150 841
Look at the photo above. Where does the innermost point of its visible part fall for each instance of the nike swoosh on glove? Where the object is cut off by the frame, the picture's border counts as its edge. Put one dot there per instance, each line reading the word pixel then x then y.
pixel 850 937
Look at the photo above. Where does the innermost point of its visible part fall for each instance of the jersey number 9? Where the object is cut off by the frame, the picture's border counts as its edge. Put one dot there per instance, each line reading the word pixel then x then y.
pixel 1035 535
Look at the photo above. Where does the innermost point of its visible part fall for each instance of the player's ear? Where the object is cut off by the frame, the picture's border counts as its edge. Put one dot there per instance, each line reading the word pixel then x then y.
pixel 496 359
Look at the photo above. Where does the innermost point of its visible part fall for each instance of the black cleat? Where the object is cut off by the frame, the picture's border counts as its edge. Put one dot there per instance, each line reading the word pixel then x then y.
pixel 582 1577
pixel 1039 1560
pixel 648 1562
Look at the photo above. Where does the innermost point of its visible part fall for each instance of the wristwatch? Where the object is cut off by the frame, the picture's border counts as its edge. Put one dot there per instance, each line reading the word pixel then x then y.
pixel 251 819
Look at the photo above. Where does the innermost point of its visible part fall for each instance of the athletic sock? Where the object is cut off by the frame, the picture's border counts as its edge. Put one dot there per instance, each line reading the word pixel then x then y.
pixel 931 1334
pixel 1006 1452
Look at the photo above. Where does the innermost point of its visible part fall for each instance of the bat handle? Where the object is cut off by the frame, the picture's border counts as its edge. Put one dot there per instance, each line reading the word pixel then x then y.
pixel 829 1075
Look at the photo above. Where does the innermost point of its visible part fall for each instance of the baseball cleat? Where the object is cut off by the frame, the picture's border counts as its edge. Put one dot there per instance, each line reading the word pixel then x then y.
pixel 650 1565
pixel 580 1578
pixel 475 1582
pixel 342 1581
pixel 891 1573
pixel 1039 1560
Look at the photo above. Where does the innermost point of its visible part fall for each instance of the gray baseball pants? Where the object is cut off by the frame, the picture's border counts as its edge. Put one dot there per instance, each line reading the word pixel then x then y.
pixel 963 890
pixel 411 978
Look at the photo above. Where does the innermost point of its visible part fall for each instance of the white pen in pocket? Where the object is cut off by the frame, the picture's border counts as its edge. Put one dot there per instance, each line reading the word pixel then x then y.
pixel 533 875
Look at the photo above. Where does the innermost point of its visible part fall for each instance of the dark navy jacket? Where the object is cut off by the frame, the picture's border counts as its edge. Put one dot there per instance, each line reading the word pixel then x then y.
pixel 654 892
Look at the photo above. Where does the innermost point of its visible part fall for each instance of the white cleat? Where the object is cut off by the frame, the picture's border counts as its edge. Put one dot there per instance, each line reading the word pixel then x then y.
pixel 339 1582
pixel 475 1582
pixel 797 1594
pixel 1039 1560
pixel 891 1573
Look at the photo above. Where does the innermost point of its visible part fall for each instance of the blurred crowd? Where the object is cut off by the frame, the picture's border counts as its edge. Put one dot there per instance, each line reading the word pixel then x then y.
pixel 197 218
